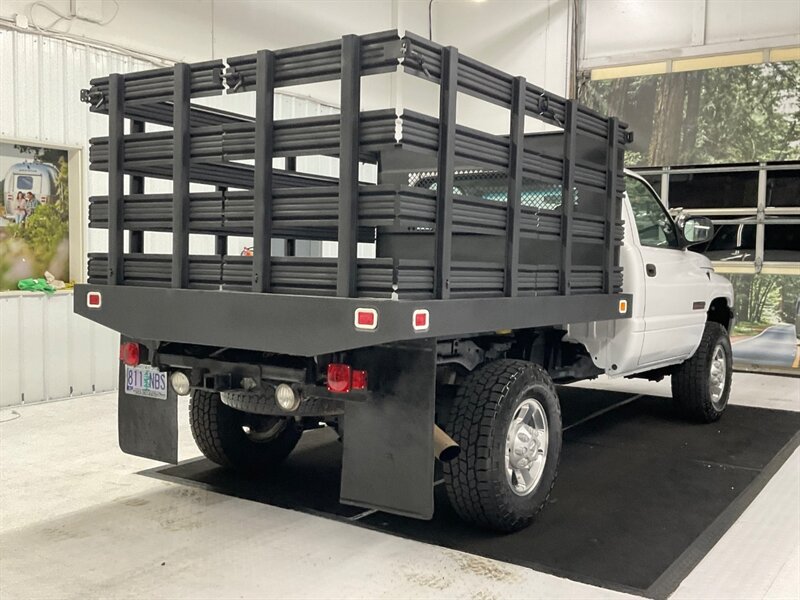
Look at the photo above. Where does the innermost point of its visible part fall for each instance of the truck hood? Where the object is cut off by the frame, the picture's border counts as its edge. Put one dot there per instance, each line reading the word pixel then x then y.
pixel 719 286
pixel 700 261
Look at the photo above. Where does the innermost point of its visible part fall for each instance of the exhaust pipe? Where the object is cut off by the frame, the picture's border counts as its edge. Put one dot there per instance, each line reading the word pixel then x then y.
pixel 444 447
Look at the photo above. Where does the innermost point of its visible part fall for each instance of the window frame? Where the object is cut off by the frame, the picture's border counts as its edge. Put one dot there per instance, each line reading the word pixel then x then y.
pixel 676 233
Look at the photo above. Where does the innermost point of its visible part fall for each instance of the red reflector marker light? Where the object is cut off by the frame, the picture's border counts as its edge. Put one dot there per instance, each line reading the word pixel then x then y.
pixel 94 300
pixel 129 353
pixel 359 379
pixel 366 318
pixel 340 378
pixel 421 319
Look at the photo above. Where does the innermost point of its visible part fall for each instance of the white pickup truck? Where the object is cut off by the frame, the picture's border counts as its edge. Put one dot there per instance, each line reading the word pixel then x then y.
pixel 502 265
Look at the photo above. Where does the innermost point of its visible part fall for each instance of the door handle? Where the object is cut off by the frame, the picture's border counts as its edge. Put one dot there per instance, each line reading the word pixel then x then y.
pixel 650 269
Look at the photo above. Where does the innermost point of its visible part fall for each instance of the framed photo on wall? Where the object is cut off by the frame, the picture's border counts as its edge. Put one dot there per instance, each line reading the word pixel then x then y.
pixel 40 229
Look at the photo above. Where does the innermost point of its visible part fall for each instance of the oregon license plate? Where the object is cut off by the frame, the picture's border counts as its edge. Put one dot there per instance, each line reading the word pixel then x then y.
pixel 145 381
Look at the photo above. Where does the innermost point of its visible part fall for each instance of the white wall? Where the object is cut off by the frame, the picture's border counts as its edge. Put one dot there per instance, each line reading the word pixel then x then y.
pixel 195 30
pixel 530 38
pixel 47 352
pixel 618 32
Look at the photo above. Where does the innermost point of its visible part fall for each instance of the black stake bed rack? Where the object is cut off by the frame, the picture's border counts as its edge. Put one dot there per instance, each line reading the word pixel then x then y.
pixel 485 231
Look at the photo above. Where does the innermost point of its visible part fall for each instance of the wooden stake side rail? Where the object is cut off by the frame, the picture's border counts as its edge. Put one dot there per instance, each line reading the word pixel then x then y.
pixel 205 146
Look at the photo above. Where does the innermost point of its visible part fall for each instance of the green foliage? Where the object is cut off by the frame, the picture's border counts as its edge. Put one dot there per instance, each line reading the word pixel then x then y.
pixel 749 113
pixel 62 187
pixel 735 114
pixel 763 300
pixel 747 328
pixel 43 231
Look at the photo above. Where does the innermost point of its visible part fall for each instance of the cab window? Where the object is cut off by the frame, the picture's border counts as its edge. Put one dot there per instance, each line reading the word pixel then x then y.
pixel 654 225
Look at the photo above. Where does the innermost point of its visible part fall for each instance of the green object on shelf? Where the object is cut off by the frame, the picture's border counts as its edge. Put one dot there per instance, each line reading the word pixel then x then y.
pixel 36 285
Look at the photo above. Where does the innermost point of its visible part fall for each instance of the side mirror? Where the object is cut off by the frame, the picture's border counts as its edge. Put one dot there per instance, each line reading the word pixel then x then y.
pixel 697 230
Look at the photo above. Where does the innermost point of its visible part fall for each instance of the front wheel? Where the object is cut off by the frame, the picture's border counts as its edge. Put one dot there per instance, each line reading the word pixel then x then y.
pixel 240 440
pixel 702 384
pixel 507 420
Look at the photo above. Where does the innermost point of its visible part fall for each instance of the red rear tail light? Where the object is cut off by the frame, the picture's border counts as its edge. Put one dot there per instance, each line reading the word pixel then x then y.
pixel 340 378
pixel 129 353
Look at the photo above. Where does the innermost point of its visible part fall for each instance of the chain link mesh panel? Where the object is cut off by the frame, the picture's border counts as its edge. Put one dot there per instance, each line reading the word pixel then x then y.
pixel 493 186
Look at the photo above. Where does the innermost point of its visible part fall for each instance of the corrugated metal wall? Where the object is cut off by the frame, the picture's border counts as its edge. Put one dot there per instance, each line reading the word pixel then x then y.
pixel 46 351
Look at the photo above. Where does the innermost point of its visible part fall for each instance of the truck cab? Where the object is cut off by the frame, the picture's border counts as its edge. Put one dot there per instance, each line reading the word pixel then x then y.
pixel 675 290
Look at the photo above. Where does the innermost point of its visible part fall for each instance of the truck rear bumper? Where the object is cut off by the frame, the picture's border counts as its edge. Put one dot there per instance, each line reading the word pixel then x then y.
pixel 312 325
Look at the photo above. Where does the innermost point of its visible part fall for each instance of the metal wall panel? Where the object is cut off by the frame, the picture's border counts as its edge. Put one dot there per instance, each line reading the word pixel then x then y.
pixel 57 313
pixel 46 351
pixel 10 360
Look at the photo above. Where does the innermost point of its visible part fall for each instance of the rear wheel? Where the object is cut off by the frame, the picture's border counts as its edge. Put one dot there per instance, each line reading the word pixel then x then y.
pixel 240 440
pixel 507 420
pixel 702 384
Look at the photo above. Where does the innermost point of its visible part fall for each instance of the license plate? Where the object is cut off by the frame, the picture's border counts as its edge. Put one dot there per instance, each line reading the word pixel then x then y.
pixel 145 381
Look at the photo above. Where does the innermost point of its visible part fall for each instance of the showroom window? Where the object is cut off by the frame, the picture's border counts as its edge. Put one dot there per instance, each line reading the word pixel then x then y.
pixel 783 189
pixel 755 209
pixel 782 242
pixel 718 189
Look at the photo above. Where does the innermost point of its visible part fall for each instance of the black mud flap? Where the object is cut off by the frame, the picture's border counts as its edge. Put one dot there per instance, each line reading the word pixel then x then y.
pixel 148 427
pixel 388 442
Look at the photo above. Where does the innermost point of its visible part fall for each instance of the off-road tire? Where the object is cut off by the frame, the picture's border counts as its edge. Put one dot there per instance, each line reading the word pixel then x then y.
pixel 690 380
pixel 482 410
pixel 217 430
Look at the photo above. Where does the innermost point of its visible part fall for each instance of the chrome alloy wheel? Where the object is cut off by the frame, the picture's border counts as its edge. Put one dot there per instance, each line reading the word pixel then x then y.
pixel 716 377
pixel 526 447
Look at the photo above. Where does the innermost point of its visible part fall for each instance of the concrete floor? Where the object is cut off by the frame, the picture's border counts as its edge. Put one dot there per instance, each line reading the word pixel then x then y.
pixel 77 522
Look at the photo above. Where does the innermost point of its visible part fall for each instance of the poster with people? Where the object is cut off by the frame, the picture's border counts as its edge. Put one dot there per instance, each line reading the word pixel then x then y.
pixel 34 214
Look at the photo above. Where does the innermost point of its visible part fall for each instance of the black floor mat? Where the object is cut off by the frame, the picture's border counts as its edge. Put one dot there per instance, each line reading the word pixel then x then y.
pixel 640 498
